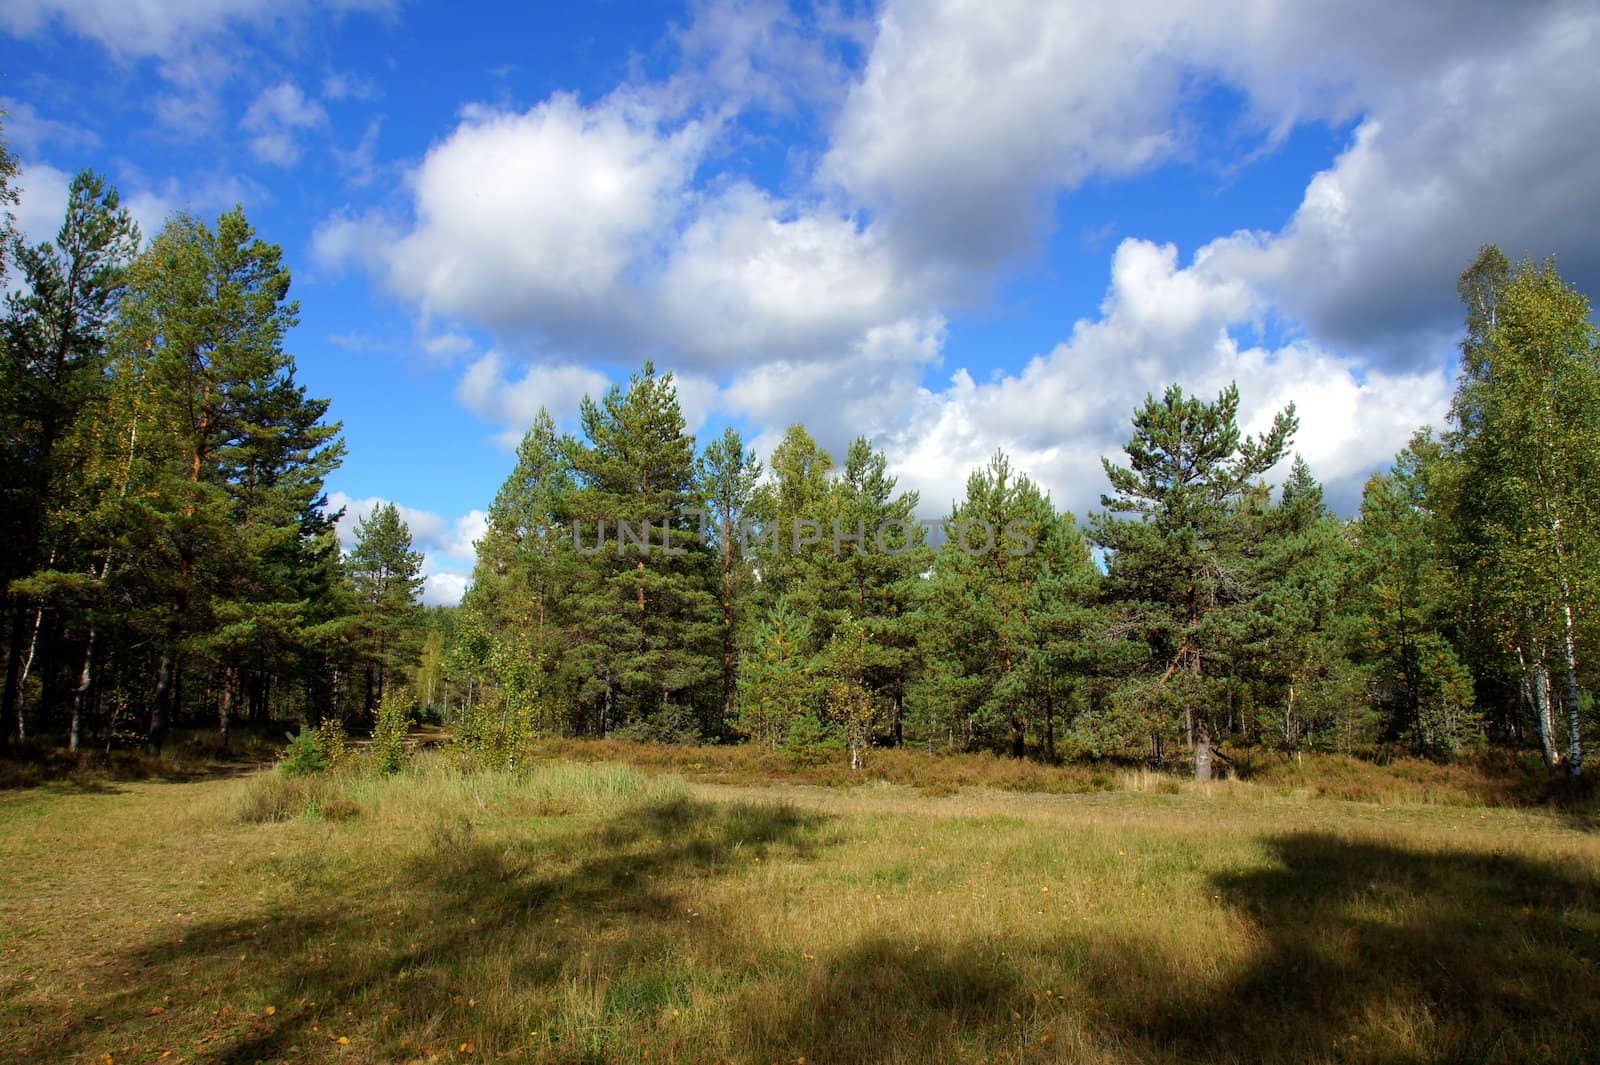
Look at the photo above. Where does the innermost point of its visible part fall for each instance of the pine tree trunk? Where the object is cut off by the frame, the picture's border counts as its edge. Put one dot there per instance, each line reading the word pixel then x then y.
pixel 160 707
pixel 1050 726
pixel 225 713
pixel 13 667
pixel 727 627
pixel 899 708
pixel 1202 747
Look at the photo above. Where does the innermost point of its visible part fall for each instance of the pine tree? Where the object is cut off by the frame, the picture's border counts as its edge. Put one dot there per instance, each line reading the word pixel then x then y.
pixel 872 572
pixel 848 704
pixel 1180 563
pixel 777 678
pixel 1400 596
pixel 526 561
pixel 727 477
pixel 1308 691
pixel 792 514
pixel 55 335
pixel 642 606
pixel 233 507
pixel 1065 620
pixel 387 574
pixel 981 613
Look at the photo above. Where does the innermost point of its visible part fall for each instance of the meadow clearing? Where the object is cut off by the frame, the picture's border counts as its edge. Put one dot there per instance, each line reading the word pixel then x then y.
pixel 596 911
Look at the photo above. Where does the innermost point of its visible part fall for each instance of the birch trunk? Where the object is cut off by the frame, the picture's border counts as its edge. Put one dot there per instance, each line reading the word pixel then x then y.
pixel 80 694
pixel 1572 686
pixel 1536 686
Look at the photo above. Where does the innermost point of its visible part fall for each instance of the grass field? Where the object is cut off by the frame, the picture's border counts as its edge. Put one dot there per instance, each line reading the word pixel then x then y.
pixel 593 911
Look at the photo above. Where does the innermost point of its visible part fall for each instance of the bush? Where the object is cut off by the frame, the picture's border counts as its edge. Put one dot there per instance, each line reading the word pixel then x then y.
pixel 315 750
pixel 671 724
pixel 810 742
pixel 303 756
pixel 389 752
pixel 493 737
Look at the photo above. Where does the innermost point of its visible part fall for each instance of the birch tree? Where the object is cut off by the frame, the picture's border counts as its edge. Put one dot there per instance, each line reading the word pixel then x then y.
pixel 1527 428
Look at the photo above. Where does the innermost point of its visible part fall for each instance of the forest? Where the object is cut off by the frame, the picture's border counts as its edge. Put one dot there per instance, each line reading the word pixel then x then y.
pixel 169 559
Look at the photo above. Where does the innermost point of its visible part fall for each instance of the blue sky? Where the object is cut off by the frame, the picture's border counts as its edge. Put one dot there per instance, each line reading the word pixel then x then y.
pixel 955 227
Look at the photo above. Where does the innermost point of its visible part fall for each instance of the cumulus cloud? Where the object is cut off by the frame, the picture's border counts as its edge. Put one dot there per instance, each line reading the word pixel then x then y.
pixel 42 196
pixel 43 193
pixel 867 389
pixel 970 121
pixel 500 394
pixel 583 235
pixel 529 221
pixel 449 546
pixel 753 278
pixel 513 401
pixel 275 120
pixel 137 30
pixel 1160 323
pixel 1370 258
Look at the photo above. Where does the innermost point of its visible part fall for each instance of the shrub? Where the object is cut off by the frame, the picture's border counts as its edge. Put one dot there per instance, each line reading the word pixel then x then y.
pixel 810 742
pixel 493 737
pixel 315 750
pixel 303 756
pixel 389 752
pixel 671 724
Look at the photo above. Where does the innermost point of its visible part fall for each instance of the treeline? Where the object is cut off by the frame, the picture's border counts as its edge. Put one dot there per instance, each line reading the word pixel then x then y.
pixel 628 585
pixel 166 551
pixel 168 557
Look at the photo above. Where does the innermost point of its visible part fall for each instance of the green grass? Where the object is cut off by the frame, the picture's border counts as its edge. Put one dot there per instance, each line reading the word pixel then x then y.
pixel 588 912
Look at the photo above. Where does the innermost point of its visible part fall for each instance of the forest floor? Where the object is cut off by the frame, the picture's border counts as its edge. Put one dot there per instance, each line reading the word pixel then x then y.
pixel 596 911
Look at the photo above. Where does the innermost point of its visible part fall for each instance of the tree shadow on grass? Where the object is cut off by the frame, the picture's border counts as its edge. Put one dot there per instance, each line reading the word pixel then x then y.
pixel 389 962
pixel 1368 953
pixel 1359 951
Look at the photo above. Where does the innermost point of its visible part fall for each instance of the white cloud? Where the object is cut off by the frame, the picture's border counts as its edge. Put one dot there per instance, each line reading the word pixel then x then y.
pixel 154 28
pixel 971 119
pixel 867 389
pixel 276 118
pixel 764 53
pixel 445 588
pixel 753 278
pixel 583 235
pixel 42 194
pixel 342 85
pixel 1499 149
pixel 533 218
pixel 488 392
pixel 360 163
pixel 697 397
pixel 1159 324
pixel 449 547
pixel 27 131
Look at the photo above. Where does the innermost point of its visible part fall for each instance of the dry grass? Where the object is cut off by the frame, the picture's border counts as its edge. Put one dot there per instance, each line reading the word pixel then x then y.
pixel 597 912
pixel 1494 779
